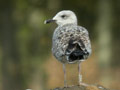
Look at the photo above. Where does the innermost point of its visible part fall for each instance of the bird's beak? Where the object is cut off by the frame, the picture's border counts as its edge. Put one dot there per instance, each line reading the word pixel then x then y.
pixel 49 21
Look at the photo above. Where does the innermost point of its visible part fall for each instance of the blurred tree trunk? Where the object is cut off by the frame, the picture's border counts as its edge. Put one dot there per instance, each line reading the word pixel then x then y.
pixel 11 67
pixel 104 27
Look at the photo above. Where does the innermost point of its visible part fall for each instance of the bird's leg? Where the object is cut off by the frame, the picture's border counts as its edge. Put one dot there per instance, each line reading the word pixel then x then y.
pixel 64 70
pixel 79 74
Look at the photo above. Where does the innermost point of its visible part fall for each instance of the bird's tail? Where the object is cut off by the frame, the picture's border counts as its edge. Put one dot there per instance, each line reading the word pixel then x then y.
pixel 76 55
pixel 74 51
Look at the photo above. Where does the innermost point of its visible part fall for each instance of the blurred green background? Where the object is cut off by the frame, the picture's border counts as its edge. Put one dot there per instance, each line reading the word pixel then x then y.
pixel 26 61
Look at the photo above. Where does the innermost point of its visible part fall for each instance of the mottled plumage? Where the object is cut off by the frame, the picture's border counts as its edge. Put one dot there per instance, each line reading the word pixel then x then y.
pixel 70 38
pixel 70 42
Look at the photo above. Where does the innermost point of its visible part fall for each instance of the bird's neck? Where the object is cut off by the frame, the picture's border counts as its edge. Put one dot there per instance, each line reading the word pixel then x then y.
pixel 67 24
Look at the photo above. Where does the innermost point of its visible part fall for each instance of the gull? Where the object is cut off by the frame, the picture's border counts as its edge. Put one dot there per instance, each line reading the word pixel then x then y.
pixel 70 42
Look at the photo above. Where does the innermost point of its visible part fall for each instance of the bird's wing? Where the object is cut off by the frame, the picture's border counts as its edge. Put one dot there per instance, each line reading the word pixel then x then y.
pixel 67 38
pixel 79 46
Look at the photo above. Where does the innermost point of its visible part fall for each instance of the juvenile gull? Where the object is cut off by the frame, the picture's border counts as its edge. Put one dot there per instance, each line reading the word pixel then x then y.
pixel 70 42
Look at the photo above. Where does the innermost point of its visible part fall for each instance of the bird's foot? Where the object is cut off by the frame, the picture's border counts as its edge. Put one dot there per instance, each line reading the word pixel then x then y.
pixel 68 86
pixel 83 84
pixel 65 85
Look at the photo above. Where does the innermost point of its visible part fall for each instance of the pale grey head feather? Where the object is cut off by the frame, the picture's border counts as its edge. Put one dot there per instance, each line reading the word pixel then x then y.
pixel 65 17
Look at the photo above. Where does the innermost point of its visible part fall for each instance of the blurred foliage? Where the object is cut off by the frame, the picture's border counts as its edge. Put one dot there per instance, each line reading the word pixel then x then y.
pixel 25 42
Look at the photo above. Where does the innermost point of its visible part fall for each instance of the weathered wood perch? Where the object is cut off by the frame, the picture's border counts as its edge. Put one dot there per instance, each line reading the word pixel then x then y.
pixel 82 87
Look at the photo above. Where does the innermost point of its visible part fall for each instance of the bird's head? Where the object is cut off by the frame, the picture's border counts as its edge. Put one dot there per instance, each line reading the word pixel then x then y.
pixel 63 17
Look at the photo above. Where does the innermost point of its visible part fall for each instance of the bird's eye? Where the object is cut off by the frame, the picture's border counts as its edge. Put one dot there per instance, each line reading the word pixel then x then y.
pixel 63 16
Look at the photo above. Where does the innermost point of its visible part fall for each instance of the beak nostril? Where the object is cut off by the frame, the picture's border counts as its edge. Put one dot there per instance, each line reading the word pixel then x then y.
pixel 49 21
